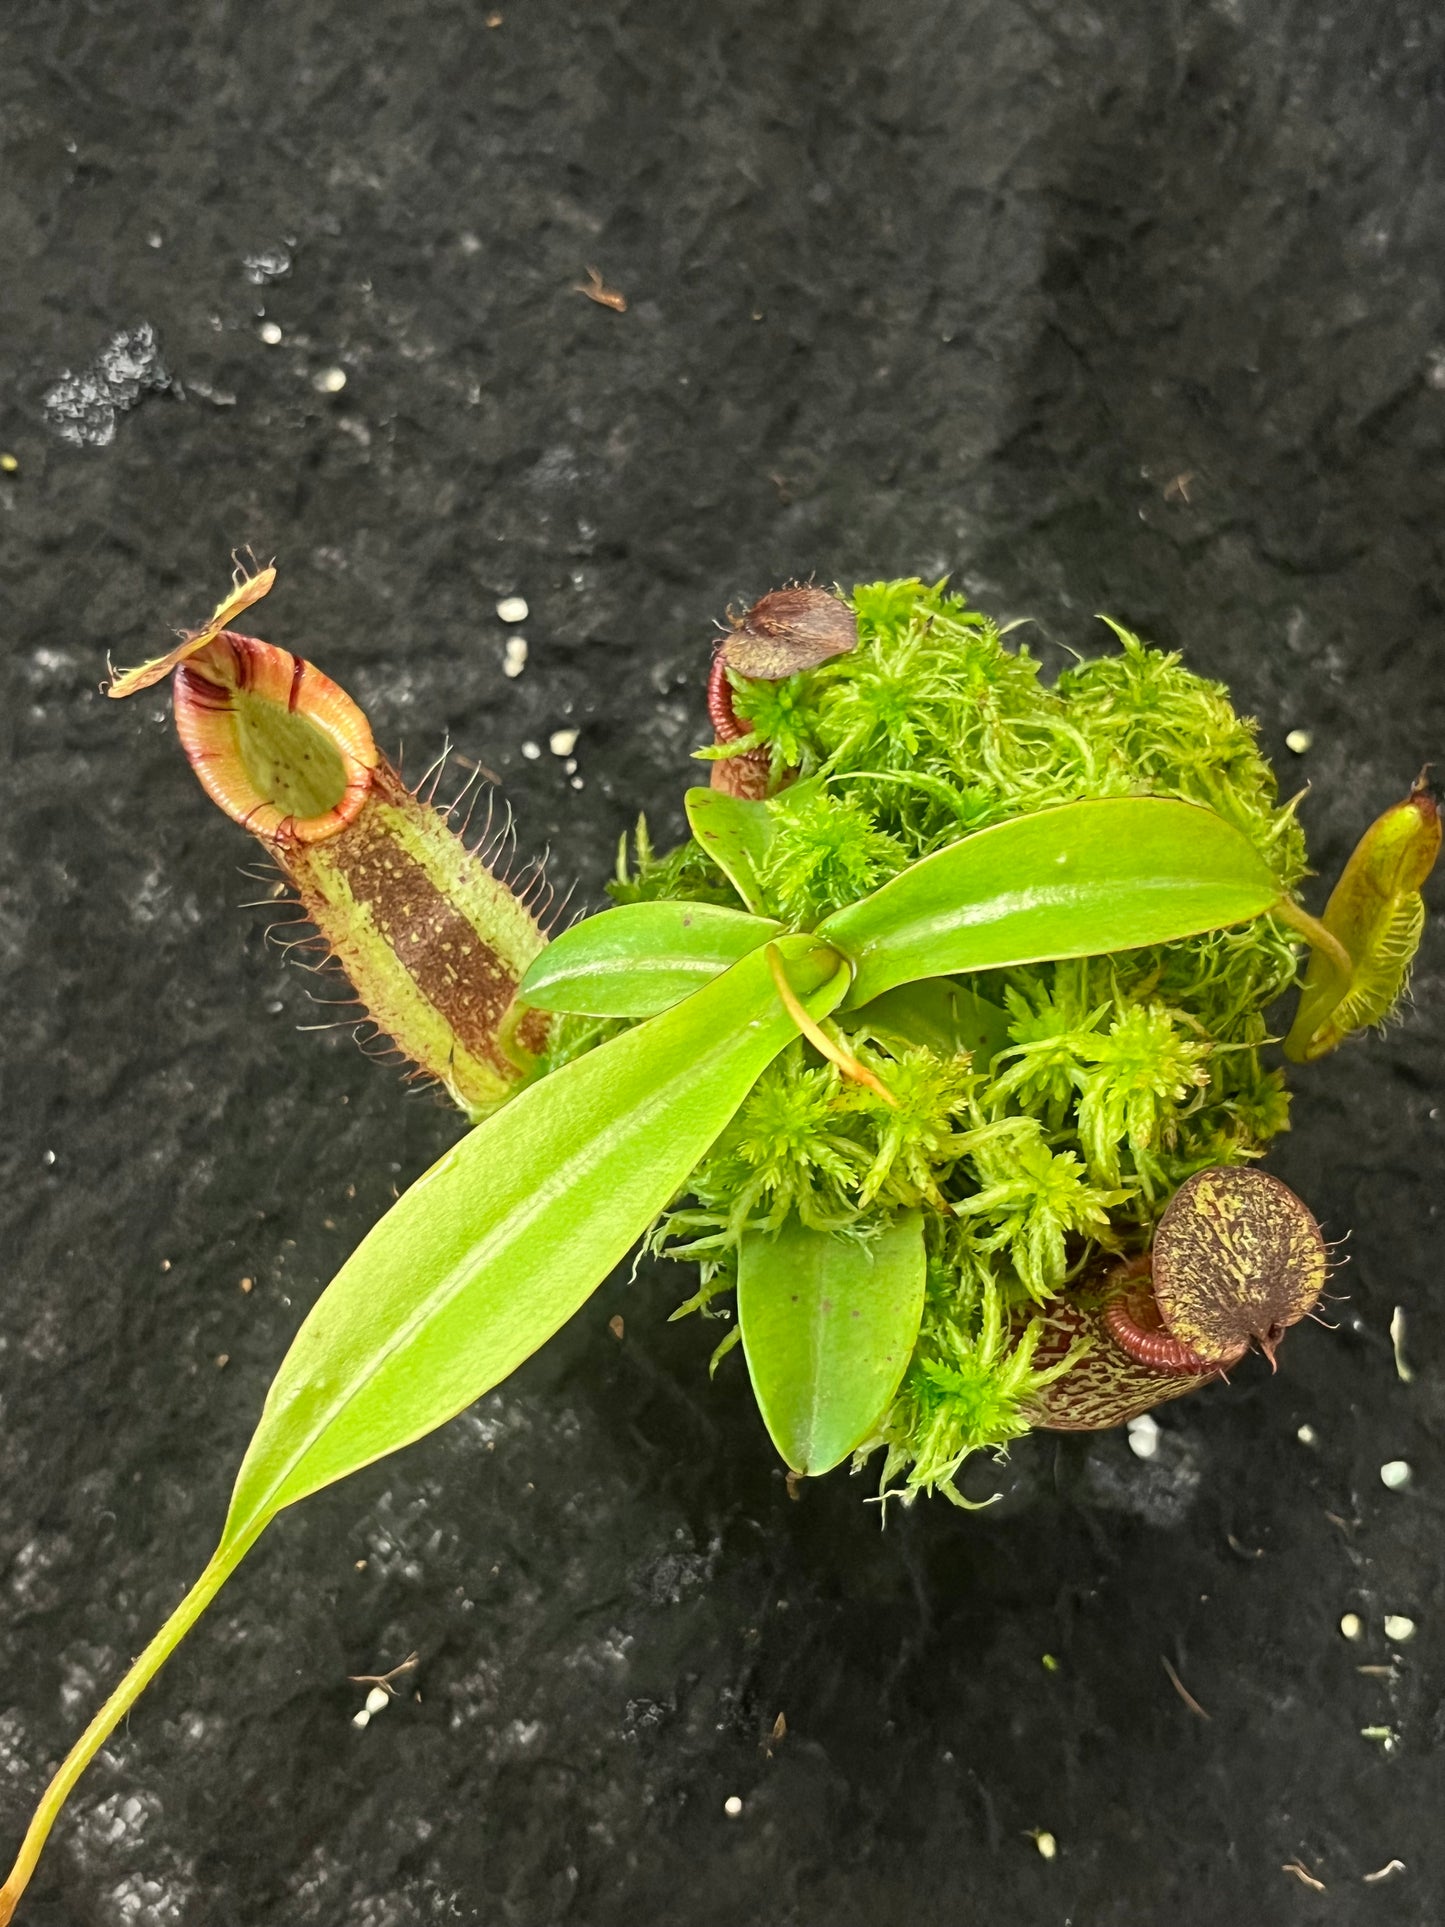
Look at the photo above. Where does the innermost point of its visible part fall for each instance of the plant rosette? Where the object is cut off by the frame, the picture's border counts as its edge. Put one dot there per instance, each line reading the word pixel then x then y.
pixel 941 1049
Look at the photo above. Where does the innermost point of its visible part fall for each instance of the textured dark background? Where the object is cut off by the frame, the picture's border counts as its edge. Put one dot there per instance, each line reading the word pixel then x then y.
pixel 929 286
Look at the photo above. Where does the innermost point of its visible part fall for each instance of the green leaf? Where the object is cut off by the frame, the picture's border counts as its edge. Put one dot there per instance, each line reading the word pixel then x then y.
pixel 503 1239
pixel 1076 881
pixel 942 1015
pixel 642 958
pixel 736 834
pixel 828 1325
pixel 476 1266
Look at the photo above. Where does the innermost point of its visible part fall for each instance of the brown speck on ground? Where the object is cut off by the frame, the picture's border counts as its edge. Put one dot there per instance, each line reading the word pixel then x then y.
pixel 1182 1690
pixel 596 289
pixel 383 1681
pixel 467 763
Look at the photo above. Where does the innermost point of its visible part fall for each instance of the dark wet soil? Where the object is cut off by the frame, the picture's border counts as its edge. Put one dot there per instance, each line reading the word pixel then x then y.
pixel 1133 307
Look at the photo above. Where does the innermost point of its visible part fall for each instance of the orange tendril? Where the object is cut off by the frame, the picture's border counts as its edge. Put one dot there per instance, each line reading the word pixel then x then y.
pixel 825 1045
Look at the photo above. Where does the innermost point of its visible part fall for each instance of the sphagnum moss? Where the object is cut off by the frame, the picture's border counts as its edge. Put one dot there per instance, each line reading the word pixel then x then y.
pixel 1117 1076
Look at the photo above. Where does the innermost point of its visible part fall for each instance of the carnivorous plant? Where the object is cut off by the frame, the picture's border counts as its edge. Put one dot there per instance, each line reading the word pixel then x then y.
pixel 941 1048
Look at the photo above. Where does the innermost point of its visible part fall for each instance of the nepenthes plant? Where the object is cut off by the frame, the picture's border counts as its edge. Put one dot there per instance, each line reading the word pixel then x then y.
pixel 941 1048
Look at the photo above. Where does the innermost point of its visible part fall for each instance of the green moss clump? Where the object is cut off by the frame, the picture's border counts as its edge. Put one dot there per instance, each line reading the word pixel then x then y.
pixel 1116 1077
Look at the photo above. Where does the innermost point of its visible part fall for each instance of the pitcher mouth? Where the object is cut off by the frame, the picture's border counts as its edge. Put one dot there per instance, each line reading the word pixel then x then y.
pixel 274 741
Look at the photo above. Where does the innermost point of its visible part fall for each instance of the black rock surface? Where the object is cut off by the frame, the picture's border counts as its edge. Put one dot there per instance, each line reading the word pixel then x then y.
pixel 1133 307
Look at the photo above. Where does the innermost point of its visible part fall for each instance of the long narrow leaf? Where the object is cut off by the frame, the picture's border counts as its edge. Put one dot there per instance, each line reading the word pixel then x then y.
pixel 508 1234
pixel 642 958
pixel 1076 881
pixel 828 1328
pixel 476 1266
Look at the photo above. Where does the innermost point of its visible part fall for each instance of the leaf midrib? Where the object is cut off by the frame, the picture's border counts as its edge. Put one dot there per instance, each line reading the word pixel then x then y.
pixel 585 1159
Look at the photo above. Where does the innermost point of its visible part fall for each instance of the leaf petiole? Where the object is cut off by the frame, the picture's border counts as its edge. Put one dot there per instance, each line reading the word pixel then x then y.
pixel 1319 937
pixel 827 1046
pixel 226 1558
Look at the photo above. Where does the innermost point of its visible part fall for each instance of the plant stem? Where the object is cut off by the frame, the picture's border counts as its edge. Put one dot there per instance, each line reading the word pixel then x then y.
pixel 827 1046
pixel 223 1563
pixel 1318 937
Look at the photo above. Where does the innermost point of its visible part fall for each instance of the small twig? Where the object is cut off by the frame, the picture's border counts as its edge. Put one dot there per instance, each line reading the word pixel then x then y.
pixel 1303 1874
pixel 383 1680
pixel 835 1053
pixel 596 289
pixel 467 762
pixel 1387 1872
pixel 1182 1690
